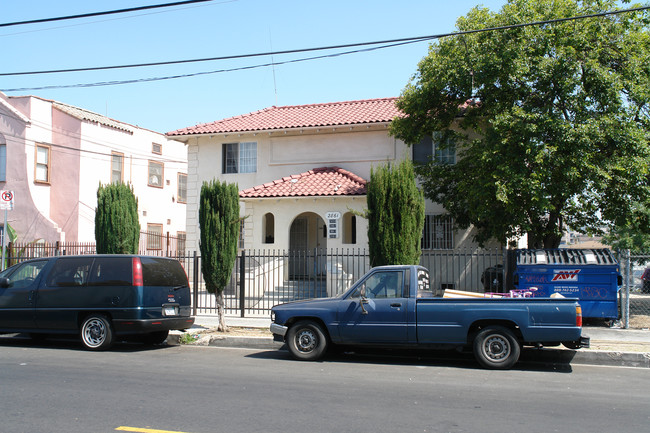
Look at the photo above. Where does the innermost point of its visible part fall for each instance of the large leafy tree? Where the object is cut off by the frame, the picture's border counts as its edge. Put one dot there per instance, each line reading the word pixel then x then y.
pixel 561 111
pixel 117 226
pixel 395 215
pixel 219 225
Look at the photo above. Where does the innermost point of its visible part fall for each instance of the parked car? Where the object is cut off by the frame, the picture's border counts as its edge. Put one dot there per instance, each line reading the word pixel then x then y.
pixel 98 297
pixel 645 281
pixel 394 307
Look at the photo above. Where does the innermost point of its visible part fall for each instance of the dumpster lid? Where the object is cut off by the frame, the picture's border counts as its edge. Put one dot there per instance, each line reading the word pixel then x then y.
pixel 563 256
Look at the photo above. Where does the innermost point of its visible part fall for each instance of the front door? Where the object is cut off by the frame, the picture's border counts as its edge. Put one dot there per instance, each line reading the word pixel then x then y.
pixel 376 312
pixel 17 300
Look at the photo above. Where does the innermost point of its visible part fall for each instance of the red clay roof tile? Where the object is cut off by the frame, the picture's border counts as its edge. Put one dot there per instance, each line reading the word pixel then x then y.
pixel 365 111
pixel 324 181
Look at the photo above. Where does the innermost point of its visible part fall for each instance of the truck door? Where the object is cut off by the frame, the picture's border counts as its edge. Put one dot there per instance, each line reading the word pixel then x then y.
pixel 17 300
pixel 376 312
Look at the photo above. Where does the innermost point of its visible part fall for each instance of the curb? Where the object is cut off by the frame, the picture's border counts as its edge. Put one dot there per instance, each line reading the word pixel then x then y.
pixel 544 355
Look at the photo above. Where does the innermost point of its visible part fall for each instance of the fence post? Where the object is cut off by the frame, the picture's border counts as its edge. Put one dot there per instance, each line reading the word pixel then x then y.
pixel 195 283
pixel 628 278
pixel 242 282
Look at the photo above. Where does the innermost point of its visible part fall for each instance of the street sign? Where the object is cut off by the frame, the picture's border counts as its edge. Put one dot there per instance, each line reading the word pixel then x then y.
pixel 7 200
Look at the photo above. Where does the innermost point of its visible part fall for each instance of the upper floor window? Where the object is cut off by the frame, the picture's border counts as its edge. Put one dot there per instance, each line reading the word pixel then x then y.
pixel 181 195
pixel 42 164
pixel 117 167
pixel 156 148
pixel 240 157
pixel 3 159
pixel 155 174
pixel 441 147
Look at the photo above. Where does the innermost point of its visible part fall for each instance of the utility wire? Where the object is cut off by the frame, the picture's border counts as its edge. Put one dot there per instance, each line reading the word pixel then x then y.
pixel 96 14
pixel 330 47
pixel 386 44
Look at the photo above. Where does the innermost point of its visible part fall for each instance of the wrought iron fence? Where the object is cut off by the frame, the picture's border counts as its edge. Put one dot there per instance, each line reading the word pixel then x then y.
pixel 264 278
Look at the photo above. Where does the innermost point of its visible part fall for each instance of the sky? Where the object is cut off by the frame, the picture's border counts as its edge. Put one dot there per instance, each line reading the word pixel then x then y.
pixel 216 29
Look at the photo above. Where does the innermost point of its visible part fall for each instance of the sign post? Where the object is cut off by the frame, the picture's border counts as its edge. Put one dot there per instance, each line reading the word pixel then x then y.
pixel 6 203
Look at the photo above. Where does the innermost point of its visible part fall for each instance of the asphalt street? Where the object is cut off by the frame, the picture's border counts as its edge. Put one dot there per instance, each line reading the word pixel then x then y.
pixel 55 386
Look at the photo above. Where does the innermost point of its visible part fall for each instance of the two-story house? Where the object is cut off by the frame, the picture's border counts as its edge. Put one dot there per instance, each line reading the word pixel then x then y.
pixel 302 173
pixel 53 156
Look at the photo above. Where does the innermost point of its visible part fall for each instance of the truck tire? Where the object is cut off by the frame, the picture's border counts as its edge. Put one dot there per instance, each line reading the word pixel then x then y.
pixel 307 341
pixel 96 332
pixel 496 347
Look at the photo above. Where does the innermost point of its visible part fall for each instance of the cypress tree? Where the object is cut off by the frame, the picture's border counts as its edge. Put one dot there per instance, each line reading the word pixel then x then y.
pixel 219 225
pixel 117 227
pixel 395 215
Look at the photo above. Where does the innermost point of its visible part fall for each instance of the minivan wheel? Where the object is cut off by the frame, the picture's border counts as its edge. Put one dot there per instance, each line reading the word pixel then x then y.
pixel 96 332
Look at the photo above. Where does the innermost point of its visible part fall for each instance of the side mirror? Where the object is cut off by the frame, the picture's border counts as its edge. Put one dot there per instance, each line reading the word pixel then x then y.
pixel 4 282
pixel 363 300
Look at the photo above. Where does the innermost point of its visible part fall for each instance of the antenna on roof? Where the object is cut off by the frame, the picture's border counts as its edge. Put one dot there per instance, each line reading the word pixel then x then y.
pixel 275 87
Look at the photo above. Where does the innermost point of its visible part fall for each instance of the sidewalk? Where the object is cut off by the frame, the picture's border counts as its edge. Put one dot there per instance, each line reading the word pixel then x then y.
pixel 609 346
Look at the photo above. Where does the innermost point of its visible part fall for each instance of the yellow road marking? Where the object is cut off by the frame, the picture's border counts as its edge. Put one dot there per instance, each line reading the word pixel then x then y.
pixel 144 430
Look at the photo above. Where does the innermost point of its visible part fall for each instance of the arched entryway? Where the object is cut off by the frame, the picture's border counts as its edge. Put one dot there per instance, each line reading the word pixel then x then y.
pixel 307 240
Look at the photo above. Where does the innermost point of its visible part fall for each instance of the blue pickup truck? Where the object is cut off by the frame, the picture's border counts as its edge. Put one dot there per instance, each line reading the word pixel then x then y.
pixel 394 307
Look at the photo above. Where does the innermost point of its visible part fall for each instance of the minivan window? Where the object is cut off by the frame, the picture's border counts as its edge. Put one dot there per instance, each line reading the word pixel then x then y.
pixel 24 274
pixel 111 271
pixel 162 272
pixel 70 272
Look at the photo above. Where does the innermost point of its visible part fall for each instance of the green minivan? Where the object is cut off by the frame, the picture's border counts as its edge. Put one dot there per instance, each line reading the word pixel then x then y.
pixel 98 297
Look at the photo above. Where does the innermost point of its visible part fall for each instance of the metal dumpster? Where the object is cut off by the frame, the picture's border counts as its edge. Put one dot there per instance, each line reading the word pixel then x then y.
pixel 591 275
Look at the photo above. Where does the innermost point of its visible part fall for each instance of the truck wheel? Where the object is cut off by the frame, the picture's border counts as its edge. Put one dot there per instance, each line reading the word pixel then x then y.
pixel 496 347
pixel 307 341
pixel 96 332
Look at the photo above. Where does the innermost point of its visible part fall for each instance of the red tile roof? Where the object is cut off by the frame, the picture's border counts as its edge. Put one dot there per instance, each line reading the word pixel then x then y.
pixel 324 181
pixel 366 111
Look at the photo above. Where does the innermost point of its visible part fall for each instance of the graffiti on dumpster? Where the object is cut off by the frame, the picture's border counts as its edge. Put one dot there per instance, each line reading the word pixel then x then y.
pixel 593 292
pixel 534 279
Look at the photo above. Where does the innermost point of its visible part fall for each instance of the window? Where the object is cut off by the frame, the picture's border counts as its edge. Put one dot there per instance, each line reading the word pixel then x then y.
pixel 181 195
pixel 111 271
pixel 441 147
pixel 3 159
pixel 156 148
pixel 241 232
pixel 117 167
pixel 240 157
pixel 268 229
pixel 438 232
pixel 70 272
pixel 154 236
pixel 156 174
pixel 42 165
pixel 383 284
pixel 349 228
pixel 25 274
pixel 181 240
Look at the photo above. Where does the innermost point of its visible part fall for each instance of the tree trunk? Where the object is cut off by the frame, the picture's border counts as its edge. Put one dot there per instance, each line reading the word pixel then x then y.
pixel 221 311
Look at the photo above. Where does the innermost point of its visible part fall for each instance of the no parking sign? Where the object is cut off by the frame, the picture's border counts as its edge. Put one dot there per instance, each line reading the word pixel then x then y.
pixel 6 200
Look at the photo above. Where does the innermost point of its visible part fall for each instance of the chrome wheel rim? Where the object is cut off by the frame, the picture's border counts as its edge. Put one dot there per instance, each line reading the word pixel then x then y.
pixel 94 332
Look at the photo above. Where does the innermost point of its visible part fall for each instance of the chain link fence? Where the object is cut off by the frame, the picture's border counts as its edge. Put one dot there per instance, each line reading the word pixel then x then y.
pixel 635 291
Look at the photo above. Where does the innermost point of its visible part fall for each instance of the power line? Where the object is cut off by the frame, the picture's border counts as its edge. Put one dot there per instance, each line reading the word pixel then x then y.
pixel 386 44
pixel 96 14
pixel 325 48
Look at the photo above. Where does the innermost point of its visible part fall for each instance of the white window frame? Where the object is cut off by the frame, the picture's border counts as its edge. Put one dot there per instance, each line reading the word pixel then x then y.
pixel 40 165
pixel 239 157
